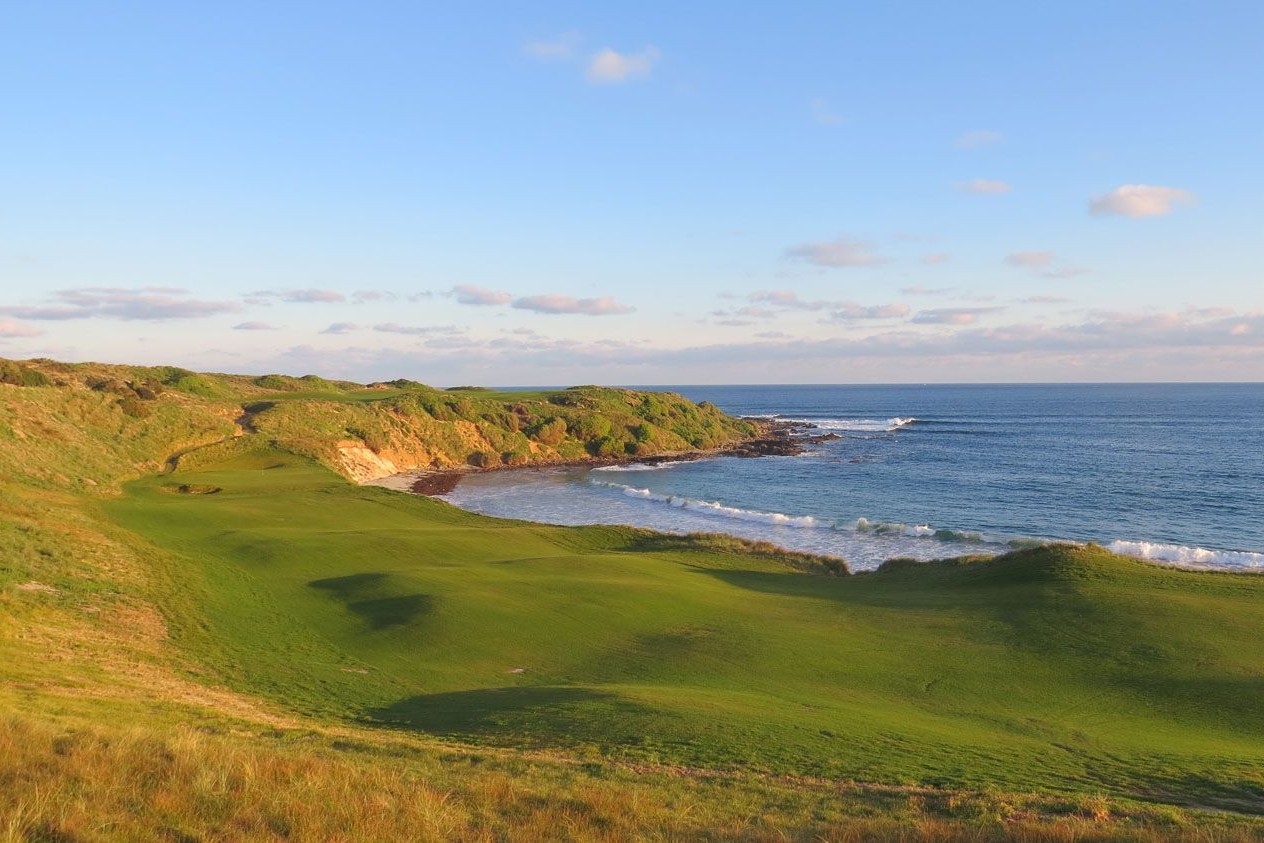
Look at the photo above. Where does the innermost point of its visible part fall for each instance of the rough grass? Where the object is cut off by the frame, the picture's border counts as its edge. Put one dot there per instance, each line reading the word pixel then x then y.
pixel 180 783
pixel 407 424
pixel 181 664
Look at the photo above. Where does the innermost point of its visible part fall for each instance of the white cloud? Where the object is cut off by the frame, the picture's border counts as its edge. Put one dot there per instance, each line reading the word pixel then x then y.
pixel 610 66
pixel 954 315
pixel 1195 343
pixel 1140 200
pixel 836 253
pixel 1064 272
pixel 1045 300
pixel 414 330
pixel 755 312
pixel 341 328
pixel 361 296
pixel 547 303
pixel 1029 260
pixel 141 303
pixel 924 291
pixel 824 113
pixel 787 298
pixel 985 187
pixel 603 306
pixel 561 47
pixel 12 329
pixel 479 296
pixel 978 138
pixel 842 311
pixel 254 326
pixel 1043 264
pixel 308 296
pixel 849 311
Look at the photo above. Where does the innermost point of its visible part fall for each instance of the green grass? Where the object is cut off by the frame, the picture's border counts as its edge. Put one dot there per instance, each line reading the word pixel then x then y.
pixel 405 425
pixel 249 646
pixel 1058 670
pixel 357 396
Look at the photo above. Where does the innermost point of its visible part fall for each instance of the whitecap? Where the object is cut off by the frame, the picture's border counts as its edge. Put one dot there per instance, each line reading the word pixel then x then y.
pixel 779 519
pixel 926 531
pixel 641 466
pixel 860 425
pixel 1188 557
pixel 893 528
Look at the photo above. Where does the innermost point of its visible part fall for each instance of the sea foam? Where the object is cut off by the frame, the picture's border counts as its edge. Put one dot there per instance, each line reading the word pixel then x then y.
pixel 717 508
pixel 1188 557
pixel 642 466
pixel 1169 554
pixel 860 425
pixel 926 531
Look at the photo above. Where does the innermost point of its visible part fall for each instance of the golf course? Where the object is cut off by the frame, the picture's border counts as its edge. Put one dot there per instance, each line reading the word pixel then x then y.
pixel 198 596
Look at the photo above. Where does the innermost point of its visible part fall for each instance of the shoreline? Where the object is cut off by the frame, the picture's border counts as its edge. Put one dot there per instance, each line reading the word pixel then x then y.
pixel 777 439
pixel 789 438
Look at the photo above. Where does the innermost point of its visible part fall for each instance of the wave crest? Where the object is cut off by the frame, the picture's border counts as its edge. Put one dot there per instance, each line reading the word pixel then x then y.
pixel 1188 557
pixel 640 466
pixel 860 425
pixel 923 531
pixel 717 508
pixel 1171 554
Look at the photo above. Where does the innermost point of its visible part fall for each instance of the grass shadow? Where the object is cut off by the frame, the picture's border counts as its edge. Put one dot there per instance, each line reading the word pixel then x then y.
pixel 362 594
pixel 723 545
pixel 527 715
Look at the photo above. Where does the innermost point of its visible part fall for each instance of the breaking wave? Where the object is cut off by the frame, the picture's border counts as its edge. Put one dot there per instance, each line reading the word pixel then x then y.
pixel 916 531
pixel 717 508
pixel 641 466
pixel 860 425
pixel 1188 557
pixel 1169 554
pixel 926 531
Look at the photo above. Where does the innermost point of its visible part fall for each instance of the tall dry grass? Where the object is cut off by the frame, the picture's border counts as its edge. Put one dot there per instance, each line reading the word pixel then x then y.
pixel 61 784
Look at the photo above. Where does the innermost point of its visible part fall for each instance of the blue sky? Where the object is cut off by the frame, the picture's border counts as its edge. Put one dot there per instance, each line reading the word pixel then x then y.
pixel 649 193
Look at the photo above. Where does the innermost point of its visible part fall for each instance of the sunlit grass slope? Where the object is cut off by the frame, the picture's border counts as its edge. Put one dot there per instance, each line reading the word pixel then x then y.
pixel 212 653
pixel 369 430
pixel 1059 669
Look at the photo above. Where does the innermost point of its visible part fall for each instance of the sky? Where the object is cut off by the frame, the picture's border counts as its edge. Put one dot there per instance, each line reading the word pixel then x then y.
pixel 648 193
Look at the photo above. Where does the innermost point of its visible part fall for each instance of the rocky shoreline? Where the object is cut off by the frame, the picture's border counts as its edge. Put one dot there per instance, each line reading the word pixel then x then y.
pixel 777 439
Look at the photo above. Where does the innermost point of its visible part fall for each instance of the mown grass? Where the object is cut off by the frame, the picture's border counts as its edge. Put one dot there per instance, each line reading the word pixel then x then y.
pixel 1063 669
pixel 253 648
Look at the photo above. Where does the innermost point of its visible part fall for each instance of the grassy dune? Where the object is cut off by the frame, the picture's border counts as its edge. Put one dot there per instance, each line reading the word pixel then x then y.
pixel 253 647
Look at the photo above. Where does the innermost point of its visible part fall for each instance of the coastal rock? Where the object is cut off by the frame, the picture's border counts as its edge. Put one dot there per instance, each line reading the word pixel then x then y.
pixel 363 465
pixel 771 447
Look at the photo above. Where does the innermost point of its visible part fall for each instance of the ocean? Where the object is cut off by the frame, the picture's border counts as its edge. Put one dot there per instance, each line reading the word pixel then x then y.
pixel 1168 472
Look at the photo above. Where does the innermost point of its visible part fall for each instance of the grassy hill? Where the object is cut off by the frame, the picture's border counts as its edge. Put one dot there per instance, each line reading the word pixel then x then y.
pixel 242 643
pixel 364 431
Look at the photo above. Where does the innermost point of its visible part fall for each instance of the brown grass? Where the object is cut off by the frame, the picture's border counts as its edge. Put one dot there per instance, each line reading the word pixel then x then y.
pixel 180 783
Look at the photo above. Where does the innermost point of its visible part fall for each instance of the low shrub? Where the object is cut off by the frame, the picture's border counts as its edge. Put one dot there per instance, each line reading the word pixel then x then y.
pixel 18 375
pixel 134 407
pixel 550 432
